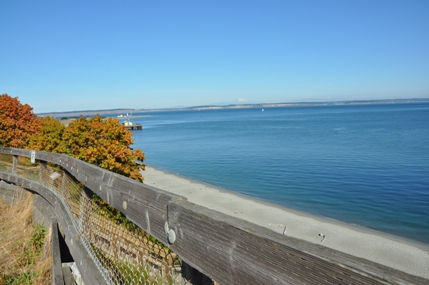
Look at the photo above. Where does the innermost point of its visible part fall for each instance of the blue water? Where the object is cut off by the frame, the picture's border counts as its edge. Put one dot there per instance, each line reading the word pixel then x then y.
pixel 361 164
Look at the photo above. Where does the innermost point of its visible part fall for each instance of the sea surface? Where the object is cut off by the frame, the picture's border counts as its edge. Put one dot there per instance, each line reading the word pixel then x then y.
pixel 366 165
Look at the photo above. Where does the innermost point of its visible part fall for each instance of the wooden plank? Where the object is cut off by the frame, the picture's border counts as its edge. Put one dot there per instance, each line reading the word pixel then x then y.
pixel 68 277
pixel 57 273
pixel 13 151
pixel 9 192
pixel 233 251
pixel 146 206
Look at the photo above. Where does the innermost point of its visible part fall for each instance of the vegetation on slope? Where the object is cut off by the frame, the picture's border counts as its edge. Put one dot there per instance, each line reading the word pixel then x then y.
pixel 25 254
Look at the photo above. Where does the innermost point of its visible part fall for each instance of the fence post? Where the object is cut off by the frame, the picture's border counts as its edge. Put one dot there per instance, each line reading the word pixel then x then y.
pixel 14 164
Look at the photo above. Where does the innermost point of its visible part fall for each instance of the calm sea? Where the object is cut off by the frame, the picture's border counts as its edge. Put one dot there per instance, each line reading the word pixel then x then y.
pixel 366 165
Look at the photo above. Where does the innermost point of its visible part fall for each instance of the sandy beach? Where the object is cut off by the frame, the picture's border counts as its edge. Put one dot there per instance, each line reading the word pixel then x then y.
pixel 410 257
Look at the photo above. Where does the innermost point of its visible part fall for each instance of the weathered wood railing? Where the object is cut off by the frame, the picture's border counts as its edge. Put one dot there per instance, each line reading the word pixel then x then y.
pixel 224 248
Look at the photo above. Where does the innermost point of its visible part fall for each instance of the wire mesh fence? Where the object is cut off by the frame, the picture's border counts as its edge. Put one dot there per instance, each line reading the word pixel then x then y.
pixel 124 253
pixel 6 163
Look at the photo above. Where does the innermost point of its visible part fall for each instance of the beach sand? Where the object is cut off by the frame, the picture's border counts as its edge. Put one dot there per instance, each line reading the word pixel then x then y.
pixel 407 256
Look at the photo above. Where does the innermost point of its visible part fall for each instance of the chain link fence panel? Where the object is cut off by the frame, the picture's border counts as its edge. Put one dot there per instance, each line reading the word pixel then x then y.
pixel 124 253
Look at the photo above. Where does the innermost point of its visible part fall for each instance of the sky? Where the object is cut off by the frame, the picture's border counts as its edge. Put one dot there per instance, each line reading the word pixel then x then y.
pixel 90 55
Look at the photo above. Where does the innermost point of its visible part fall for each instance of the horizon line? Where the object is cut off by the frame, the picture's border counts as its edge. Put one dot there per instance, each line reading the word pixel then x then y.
pixel 248 105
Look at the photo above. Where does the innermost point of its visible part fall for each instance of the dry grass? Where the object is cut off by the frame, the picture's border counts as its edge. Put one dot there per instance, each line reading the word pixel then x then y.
pixel 25 254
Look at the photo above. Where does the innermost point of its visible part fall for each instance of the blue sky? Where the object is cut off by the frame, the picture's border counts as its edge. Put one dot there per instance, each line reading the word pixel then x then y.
pixel 83 55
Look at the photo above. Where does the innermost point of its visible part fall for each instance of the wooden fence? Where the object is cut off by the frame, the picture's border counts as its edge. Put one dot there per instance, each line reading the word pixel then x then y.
pixel 224 248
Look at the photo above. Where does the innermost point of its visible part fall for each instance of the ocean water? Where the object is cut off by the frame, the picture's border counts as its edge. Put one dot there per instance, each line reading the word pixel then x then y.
pixel 366 165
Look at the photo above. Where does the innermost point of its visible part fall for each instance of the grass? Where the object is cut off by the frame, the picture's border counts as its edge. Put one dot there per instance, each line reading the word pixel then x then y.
pixel 25 254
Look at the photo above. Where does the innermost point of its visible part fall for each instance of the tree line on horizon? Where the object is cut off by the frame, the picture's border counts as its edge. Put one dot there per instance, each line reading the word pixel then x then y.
pixel 96 140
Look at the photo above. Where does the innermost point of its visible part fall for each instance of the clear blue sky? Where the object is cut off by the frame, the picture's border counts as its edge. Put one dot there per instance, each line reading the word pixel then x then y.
pixel 82 55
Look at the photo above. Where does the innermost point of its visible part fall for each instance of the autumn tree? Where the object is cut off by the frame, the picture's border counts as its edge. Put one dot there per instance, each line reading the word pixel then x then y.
pixel 17 122
pixel 105 143
pixel 49 138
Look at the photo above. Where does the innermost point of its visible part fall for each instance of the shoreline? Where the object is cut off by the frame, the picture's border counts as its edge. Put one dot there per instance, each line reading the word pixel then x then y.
pixel 234 106
pixel 395 252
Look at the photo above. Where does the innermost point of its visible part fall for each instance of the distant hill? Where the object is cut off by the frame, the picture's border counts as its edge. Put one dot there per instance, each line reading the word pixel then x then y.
pixel 268 105
pixel 87 113
pixel 233 106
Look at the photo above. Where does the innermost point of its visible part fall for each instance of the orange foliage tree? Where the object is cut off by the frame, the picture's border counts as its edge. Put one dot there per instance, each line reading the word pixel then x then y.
pixel 105 143
pixel 17 122
pixel 50 136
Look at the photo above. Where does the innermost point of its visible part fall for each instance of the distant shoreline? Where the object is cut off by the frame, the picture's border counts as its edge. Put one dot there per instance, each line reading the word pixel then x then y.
pixel 234 106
